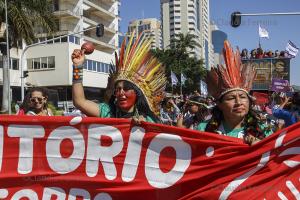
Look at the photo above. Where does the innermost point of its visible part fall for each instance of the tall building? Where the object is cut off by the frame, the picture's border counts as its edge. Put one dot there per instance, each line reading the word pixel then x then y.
pixel 218 38
pixel 188 16
pixel 151 27
pixel 50 65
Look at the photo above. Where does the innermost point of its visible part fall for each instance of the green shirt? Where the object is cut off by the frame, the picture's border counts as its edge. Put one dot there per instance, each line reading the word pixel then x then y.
pixel 238 132
pixel 105 112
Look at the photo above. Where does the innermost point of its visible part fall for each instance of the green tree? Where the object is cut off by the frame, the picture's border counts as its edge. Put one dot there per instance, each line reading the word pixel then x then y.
pixel 24 17
pixel 184 43
pixel 177 58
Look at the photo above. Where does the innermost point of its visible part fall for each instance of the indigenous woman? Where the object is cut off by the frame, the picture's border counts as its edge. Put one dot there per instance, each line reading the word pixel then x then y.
pixel 134 86
pixel 233 115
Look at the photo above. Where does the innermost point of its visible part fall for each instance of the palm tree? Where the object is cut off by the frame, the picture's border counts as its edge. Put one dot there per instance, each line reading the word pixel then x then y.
pixel 177 59
pixel 184 43
pixel 23 18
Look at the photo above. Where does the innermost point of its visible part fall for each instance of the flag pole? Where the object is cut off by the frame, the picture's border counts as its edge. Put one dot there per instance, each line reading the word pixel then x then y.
pixel 180 82
pixel 171 82
pixel 259 45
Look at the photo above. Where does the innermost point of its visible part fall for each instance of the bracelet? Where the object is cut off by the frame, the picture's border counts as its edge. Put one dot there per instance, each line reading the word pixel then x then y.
pixel 77 74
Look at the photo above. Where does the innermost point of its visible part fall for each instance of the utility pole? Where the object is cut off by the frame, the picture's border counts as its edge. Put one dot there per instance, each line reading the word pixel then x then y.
pixel 6 96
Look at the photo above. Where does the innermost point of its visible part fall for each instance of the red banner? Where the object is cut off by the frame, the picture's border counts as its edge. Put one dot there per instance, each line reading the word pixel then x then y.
pixel 91 158
pixel 261 98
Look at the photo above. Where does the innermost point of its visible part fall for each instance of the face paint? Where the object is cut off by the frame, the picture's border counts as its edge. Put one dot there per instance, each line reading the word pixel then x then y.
pixel 126 98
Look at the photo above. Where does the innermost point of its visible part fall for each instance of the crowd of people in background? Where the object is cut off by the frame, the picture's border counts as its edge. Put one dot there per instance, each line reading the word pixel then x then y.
pixel 188 111
pixel 282 110
pixel 229 110
pixel 259 53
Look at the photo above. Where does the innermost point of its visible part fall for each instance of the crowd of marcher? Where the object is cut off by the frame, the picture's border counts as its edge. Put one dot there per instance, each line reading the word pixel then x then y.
pixel 136 90
pixel 259 53
pixel 282 110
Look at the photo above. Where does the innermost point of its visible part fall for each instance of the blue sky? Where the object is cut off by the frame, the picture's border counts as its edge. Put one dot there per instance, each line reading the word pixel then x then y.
pixel 280 28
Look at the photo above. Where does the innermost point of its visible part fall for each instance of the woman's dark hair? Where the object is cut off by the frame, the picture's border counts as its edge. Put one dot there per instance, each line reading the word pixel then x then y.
pixel 165 101
pixel 282 54
pixel 253 53
pixel 250 123
pixel 141 103
pixel 260 50
pixel 26 102
pixel 244 53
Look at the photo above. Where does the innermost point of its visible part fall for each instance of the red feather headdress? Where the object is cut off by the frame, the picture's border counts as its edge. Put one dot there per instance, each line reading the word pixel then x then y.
pixel 233 76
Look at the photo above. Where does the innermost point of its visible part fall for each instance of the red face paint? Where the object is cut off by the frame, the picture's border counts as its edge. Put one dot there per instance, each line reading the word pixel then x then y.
pixel 126 98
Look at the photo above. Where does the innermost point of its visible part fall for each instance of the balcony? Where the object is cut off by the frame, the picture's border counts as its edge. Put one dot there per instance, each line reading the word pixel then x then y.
pixel 103 2
pixel 108 27
pixel 69 27
pixel 68 9
pixel 100 9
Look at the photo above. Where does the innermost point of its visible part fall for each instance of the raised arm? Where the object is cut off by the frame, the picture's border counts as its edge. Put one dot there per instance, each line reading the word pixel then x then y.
pixel 85 106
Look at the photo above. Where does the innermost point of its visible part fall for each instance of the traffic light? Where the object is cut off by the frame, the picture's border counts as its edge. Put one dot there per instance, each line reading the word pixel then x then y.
pixel 100 30
pixel 25 73
pixel 236 19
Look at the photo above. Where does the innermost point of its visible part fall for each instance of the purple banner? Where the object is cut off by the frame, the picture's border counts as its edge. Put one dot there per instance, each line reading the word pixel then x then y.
pixel 280 85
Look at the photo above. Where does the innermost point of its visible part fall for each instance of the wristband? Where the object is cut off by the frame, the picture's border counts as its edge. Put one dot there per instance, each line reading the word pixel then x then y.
pixel 77 74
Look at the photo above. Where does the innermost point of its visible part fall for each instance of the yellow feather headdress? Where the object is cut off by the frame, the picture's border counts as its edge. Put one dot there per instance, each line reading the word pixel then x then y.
pixel 233 76
pixel 137 65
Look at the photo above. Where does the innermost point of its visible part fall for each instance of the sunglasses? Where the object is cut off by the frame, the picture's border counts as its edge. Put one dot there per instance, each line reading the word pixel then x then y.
pixel 37 99
pixel 125 89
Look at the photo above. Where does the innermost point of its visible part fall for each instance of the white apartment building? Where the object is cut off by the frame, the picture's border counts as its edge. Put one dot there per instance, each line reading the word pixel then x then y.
pixel 218 38
pixel 151 28
pixel 50 65
pixel 188 16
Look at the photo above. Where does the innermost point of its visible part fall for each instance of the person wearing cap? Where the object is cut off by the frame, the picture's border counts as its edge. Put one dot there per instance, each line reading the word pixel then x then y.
pixel 134 87
pixel 230 86
pixel 196 111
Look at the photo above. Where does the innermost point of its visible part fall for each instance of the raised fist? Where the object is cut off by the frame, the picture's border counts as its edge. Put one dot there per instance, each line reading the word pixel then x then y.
pixel 77 57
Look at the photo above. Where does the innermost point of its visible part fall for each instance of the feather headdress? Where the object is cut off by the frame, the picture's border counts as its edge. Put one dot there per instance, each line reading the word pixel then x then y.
pixel 233 76
pixel 137 65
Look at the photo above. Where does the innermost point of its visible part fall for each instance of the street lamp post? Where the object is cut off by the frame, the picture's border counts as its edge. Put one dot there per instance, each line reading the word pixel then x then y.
pixel 41 43
pixel 6 72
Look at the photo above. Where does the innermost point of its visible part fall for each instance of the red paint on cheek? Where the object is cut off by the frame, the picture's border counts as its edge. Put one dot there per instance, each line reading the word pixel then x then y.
pixel 126 100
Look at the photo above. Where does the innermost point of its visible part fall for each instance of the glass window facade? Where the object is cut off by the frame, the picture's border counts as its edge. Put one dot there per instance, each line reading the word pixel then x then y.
pixel 96 66
pixel 41 63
